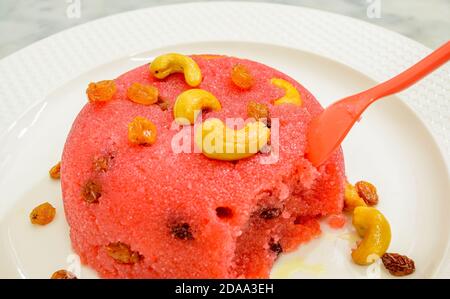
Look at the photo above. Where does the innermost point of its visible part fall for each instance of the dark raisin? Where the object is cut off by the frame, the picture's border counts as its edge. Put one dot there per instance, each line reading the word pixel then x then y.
pixel 224 212
pixel 398 265
pixel 182 231
pixel 368 192
pixel 269 213
pixel 91 192
pixel 275 247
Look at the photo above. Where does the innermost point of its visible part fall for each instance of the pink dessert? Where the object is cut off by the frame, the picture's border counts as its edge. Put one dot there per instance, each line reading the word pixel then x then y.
pixel 158 214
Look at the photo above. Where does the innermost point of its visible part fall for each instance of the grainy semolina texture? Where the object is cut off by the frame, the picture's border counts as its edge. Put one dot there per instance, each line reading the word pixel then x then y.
pixel 184 215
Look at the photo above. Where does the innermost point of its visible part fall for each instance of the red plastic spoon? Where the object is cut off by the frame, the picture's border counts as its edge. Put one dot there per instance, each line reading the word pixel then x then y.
pixel 329 128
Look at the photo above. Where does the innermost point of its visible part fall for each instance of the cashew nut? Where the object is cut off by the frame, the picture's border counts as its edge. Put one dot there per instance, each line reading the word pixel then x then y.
pixel 190 102
pixel 292 96
pixel 373 227
pixel 351 198
pixel 167 64
pixel 219 142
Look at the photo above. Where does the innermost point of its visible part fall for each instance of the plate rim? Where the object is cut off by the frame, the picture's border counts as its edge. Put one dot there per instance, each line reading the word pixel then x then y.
pixel 412 52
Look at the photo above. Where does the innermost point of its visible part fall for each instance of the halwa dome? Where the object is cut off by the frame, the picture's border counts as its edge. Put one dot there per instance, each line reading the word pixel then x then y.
pixel 160 214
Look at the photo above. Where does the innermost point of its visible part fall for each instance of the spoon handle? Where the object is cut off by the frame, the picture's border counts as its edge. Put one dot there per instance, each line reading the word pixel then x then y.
pixel 327 130
pixel 411 75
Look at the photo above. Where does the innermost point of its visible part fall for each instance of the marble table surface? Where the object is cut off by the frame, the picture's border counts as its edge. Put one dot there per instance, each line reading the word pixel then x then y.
pixel 23 22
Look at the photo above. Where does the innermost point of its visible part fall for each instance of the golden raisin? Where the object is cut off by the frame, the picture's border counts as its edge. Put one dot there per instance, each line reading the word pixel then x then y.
pixel 55 171
pixel 91 192
pixel 141 131
pixel 258 111
pixel 102 164
pixel 398 265
pixel 101 91
pixel 241 77
pixel 122 253
pixel 368 192
pixel 43 214
pixel 142 94
pixel 63 274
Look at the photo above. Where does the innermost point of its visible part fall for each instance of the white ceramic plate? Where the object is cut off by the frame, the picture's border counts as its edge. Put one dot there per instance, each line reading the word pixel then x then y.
pixel 401 145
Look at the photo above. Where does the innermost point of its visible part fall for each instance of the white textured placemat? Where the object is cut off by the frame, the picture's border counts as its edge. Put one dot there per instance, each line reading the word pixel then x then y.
pixel 28 75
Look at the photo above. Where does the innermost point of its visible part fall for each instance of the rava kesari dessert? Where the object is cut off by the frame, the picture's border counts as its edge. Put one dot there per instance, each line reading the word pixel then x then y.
pixel 146 197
